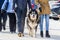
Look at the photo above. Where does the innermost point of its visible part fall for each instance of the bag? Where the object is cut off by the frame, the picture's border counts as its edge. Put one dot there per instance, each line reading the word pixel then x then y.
pixel 6 5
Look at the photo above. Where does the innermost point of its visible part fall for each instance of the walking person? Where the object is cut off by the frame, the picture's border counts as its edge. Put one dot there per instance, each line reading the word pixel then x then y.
pixel 44 14
pixel 2 16
pixel 21 14
pixel 11 15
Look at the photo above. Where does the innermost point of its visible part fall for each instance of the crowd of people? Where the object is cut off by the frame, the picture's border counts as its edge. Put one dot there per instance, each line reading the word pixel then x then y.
pixel 21 12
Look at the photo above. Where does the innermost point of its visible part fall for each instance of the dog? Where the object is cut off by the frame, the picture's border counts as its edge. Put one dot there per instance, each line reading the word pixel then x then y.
pixel 32 22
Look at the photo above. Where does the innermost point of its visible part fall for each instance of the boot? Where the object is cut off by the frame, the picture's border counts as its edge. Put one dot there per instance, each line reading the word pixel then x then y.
pixel 4 28
pixel 41 33
pixel 20 34
pixel 47 34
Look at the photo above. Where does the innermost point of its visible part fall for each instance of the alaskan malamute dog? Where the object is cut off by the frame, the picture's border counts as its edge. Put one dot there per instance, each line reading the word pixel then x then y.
pixel 32 22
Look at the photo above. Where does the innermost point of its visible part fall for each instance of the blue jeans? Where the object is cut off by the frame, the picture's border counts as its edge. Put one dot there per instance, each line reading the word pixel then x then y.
pixel 21 19
pixel 46 16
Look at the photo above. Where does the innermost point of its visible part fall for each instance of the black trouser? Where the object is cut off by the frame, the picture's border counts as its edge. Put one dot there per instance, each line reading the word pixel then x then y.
pixel 4 17
pixel 0 22
pixel 12 22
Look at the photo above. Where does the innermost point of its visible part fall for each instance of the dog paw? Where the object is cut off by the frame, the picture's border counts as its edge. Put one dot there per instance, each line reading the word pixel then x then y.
pixel 32 35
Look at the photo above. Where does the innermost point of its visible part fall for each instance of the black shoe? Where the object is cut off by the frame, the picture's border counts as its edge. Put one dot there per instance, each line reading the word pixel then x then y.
pixel 47 34
pixel 4 28
pixel 41 33
pixel 0 30
pixel 14 31
pixel 11 32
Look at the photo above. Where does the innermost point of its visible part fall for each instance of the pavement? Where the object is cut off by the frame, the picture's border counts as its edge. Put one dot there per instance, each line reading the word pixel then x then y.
pixel 54 31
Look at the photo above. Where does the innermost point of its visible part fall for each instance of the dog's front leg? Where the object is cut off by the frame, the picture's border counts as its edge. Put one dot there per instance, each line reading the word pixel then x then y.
pixel 30 32
pixel 33 32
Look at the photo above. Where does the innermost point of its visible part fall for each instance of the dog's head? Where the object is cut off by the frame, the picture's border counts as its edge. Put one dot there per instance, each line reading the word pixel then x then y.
pixel 33 15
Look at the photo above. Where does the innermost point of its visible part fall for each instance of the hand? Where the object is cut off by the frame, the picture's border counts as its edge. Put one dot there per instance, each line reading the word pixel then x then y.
pixel 15 9
pixel 40 9
pixel 32 6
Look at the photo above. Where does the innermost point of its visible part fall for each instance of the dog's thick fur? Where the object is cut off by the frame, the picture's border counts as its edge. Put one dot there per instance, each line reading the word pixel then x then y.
pixel 32 22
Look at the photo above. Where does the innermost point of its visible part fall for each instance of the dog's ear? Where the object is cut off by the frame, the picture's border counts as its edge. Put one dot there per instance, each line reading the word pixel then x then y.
pixel 29 15
pixel 29 9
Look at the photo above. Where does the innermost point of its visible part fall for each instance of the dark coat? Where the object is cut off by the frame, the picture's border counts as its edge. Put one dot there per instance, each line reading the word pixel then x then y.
pixel 1 3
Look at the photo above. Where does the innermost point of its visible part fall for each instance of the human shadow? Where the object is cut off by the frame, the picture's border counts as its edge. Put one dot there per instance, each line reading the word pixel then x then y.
pixel 53 37
pixel 7 32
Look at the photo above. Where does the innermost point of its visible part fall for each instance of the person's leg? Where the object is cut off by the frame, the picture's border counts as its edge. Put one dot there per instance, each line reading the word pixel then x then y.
pixel 21 27
pixel 10 21
pixel 47 22
pixel 0 22
pixel 21 21
pixel 41 25
pixel 47 25
pixel 4 19
pixel 14 22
